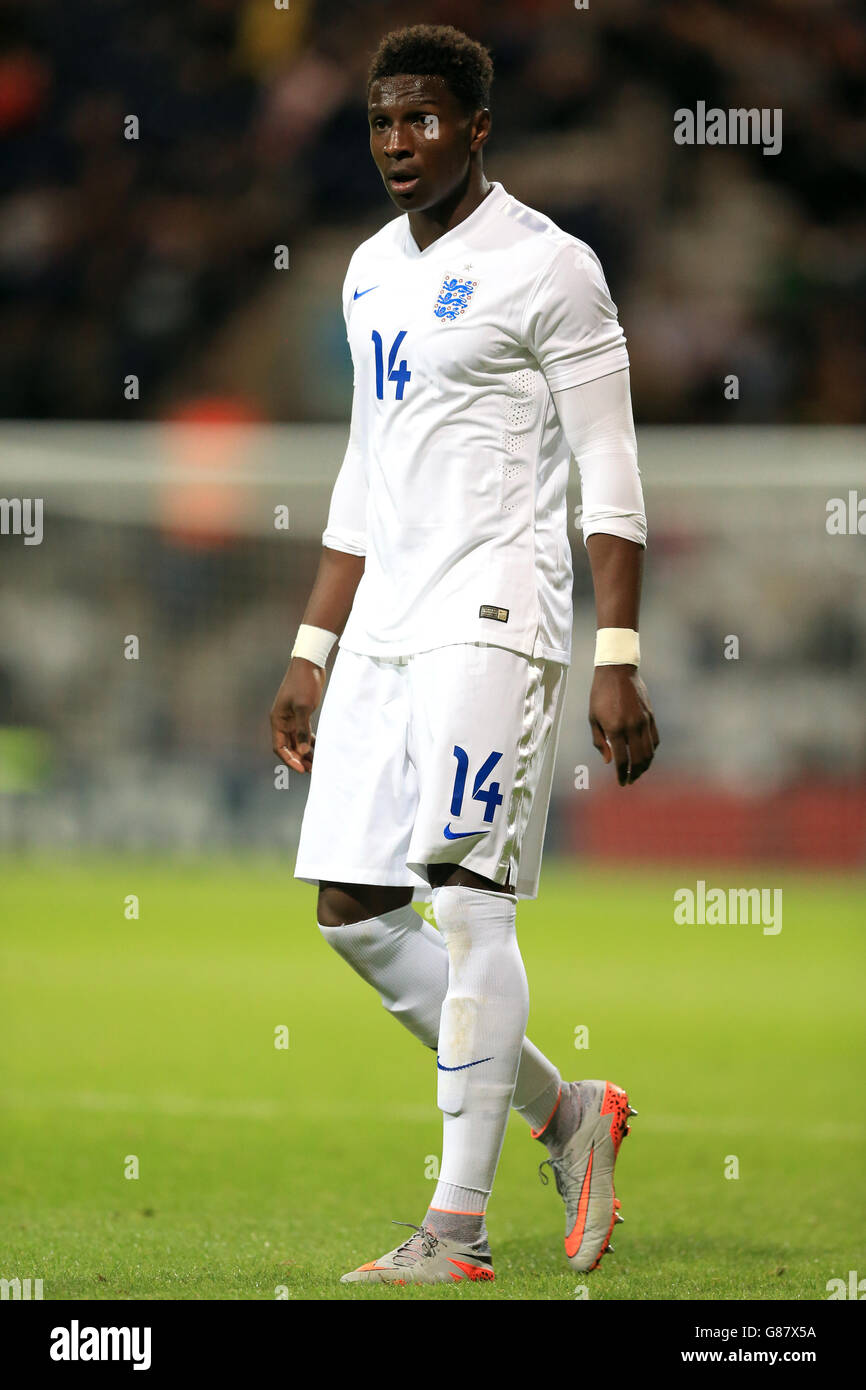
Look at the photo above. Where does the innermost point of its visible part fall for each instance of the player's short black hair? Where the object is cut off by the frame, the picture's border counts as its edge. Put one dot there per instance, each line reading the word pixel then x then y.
pixel 437 50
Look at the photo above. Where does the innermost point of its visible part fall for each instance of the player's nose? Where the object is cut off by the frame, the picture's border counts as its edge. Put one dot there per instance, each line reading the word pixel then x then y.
pixel 396 141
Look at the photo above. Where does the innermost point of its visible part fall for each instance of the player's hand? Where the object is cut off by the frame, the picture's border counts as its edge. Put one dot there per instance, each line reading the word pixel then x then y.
pixel 299 694
pixel 622 722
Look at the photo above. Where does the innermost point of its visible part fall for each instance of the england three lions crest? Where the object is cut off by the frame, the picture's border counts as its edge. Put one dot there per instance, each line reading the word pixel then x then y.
pixel 454 296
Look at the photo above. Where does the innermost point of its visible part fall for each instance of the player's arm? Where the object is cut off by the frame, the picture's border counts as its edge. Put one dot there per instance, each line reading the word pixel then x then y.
pixel 620 715
pixel 301 688
pixel 597 421
pixel 341 567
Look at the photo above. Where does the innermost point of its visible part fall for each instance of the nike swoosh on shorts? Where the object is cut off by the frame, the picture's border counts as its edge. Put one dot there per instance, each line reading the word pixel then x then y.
pixel 461 834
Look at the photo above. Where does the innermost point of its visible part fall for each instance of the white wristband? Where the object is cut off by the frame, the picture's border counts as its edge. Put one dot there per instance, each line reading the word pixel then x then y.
pixel 314 644
pixel 617 646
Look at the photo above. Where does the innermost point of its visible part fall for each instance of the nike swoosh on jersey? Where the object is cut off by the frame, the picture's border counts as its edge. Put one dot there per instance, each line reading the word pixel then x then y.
pixel 461 834
pixel 360 295
pixel 465 1064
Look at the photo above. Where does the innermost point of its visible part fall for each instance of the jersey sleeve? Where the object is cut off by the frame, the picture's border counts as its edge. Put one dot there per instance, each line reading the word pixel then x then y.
pixel 570 322
pixel 597 421
pixel 346 528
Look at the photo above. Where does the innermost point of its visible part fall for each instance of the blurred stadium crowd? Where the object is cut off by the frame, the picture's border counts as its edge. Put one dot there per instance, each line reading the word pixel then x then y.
pixel 136 256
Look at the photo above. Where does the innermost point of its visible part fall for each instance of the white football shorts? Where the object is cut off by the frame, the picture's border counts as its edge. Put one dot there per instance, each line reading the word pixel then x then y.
pixel 442 757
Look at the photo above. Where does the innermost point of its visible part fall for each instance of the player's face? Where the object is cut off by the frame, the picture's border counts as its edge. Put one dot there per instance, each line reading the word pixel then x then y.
pixel 421 139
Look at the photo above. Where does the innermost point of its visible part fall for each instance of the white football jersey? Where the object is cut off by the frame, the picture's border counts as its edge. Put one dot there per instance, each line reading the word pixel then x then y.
pixel 454 480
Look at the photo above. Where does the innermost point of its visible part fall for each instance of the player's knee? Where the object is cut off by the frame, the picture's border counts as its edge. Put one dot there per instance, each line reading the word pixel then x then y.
pixel 344 904
pixel 452 906
pixel 470 918
pixel 337 907
pixel 351 932
pixel 331 908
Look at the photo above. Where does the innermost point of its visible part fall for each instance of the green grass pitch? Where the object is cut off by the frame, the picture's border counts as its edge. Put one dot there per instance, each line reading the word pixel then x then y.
pixel 263 1168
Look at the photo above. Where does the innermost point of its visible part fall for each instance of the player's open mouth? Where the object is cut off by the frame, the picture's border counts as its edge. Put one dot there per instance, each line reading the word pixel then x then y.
pixel 401 184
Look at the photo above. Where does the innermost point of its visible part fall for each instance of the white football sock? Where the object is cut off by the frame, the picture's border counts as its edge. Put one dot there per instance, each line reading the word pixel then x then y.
pixel 480 1035
pixel 405 959
pixel 538 1088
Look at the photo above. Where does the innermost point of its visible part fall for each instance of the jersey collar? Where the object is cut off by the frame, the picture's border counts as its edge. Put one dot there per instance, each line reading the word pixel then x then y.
pixel 410 245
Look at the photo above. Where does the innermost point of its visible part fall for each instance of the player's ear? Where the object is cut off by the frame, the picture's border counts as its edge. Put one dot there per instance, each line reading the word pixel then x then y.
pixel 480 127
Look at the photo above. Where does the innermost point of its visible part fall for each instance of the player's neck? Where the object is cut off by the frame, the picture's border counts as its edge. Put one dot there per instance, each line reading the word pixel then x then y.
pixel 430 224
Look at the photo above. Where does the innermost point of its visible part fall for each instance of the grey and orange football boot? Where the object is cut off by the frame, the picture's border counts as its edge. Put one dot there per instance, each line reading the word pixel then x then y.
pixel 424 1258
pixel 584 1172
